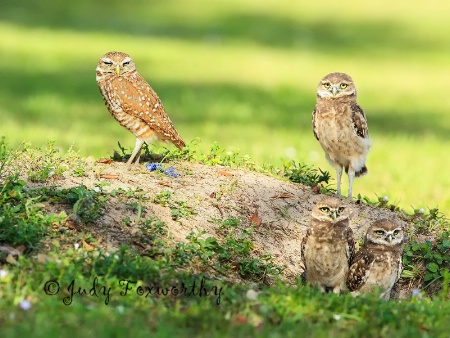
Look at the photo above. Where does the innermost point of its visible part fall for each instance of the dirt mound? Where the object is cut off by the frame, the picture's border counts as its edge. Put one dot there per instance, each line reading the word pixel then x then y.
pixel 280 209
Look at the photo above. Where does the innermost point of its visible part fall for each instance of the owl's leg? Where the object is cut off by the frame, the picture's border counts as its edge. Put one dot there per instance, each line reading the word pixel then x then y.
pixel 337 289
pixel 386 295
pixel 136 152
pixel 338 179
pixel 351 177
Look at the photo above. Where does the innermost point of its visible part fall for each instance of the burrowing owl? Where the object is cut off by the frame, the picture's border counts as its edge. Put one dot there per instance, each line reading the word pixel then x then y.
pixel 133 103
pixel 378 264
pixel 340 126
pixel 328 246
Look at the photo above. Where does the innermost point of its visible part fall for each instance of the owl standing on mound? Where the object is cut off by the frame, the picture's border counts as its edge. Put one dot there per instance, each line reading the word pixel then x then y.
pixel 378 264
pixel 328 247
pixel 133 103
pixel 340 126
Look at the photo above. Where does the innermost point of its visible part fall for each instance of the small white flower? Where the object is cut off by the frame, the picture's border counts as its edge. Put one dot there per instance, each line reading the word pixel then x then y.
pixel 336 317
pixel 385 198
pixel 120 309
pixel 25 305
pixel 252 295
pixel 421 210
pixel 76 246
pixel 3 273
pixel 116 257
pixel 415 292
pixel 96 189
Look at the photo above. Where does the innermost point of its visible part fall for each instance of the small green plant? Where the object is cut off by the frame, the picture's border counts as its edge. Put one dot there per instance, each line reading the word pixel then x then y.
pixel 380 202
pixel 4 154
pixel 22 218
pixel 146 155
pixel 216 156
pixel 44 163
pixel 163 198
pixel 86 203
pixel 432 222
pixel 178 209
pixel 305 174
pixel 433 256
pixel 230 254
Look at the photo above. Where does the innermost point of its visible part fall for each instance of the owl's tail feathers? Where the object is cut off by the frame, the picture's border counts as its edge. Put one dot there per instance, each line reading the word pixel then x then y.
pixel 363 171
pixel 179 143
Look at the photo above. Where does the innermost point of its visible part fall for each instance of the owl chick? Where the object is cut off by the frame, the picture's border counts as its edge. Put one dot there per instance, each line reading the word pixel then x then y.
pixel 328 246
pixel 340 126
pixel 133 103
pixel 378 264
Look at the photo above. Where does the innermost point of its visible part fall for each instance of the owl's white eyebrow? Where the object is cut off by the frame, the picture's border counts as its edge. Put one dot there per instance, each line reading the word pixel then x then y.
pixel 126 60
pixel 107 60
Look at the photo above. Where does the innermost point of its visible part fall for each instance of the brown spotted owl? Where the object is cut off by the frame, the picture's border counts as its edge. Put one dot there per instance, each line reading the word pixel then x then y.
pixel 133 103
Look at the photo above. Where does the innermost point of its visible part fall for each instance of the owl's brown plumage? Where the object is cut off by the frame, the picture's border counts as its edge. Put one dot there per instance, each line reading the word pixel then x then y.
pixel 133 103
pixel 378 264
pixel 340 126
pixel 328 246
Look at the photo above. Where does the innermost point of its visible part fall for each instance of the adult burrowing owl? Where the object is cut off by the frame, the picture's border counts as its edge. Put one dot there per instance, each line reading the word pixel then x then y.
pixel 378 264
pixel 340 126
pixel 328 246
pixel 133 103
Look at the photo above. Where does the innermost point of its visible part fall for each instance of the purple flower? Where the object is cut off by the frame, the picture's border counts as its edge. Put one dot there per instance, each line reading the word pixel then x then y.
pixel 171 172
pixel 157 166
pixel 153 166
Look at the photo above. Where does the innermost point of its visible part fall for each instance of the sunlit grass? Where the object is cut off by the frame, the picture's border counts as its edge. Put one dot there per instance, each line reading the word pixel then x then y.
pixel 242 74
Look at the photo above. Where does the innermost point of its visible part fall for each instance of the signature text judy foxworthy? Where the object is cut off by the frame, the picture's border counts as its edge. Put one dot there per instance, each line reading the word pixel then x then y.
pixel 129 287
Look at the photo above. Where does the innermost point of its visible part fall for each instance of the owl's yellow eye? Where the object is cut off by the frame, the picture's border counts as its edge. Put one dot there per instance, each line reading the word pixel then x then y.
pixel 324 209
pixel 327 85
pixel 126 63
pixel 109 63
pixel 341 209
pixel 379 232
pixel 396 232
pixel 343 85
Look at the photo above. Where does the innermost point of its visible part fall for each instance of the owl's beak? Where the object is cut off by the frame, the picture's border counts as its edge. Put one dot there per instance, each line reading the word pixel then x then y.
pixel 389 238
pixel 333 215
pixel 334 90
pixel 118 70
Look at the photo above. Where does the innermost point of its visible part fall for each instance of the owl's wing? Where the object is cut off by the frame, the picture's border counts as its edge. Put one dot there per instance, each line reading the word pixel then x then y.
pixel 360 269
pixel 314 123
pixel 400 268
pixel 143 102
pixel 359 120
pixel 304 245
pixel 350 246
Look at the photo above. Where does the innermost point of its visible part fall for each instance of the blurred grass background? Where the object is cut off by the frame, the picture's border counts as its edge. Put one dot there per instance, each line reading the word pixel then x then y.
pixel 242 73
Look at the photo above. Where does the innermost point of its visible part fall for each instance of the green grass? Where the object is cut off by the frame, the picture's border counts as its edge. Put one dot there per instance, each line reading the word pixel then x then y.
pixel 241 74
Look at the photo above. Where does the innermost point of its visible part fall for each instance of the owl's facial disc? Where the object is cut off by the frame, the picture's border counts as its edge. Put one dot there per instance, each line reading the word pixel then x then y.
pixel 334 213
pixel 332 90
